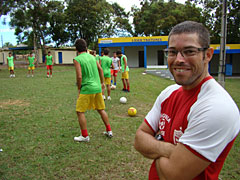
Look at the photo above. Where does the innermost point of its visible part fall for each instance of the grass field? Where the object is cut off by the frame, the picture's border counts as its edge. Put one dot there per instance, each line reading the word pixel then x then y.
pixel 38 123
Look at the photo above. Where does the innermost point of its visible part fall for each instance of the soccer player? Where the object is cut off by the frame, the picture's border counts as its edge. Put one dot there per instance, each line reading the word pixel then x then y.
pixel 10 63
pixel 116 63
pixel 90 82
pixel 125 71
pixel 196 121
pixel 49 62
pixel 31 66
pixel 106 63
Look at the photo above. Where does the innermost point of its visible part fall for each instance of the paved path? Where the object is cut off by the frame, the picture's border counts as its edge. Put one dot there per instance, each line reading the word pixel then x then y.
pixel 161 73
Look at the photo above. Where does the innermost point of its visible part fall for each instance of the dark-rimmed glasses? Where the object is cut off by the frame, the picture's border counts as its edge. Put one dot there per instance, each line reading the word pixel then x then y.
pixel 188 52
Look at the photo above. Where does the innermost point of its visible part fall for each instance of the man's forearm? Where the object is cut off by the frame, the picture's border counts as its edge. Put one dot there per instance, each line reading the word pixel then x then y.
pixel 151 148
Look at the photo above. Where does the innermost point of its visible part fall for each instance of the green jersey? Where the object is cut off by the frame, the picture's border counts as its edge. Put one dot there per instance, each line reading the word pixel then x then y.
pixel 10 61
pixel 49 60
pixel 90 77
pixel 106 63
pixel 123 63
pixel 31 61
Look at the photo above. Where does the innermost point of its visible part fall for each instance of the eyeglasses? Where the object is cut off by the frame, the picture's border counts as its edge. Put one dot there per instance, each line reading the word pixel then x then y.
pixel 188 52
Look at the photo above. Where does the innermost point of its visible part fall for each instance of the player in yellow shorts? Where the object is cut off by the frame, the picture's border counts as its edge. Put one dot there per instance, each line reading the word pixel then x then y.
pixel 90 87
pixel 10 64
pixel 31 60
pixel 106 63
pixel 125 70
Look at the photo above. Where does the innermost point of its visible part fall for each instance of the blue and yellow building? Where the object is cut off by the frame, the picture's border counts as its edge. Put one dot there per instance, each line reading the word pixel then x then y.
pixel 148 52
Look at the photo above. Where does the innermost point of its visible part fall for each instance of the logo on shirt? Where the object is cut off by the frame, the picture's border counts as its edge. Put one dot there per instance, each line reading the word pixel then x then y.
pixel 162 122
pixel 177 134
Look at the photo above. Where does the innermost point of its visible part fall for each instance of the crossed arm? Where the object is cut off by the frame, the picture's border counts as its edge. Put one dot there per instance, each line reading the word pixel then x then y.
pixel 172 162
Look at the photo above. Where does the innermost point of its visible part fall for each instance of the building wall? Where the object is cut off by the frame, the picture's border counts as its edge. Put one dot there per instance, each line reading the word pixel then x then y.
pixel 236 63
pixel 230 59
pixel 67 56
pixel 3 57
pixel 132 53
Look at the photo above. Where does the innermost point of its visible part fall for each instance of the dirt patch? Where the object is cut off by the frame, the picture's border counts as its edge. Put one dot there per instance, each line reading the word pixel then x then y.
pixel 10 102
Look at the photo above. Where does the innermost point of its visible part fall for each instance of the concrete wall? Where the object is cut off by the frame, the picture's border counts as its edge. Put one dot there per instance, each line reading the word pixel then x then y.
pixel 236 63
pixel 230 58
pixel 3 57
pixel 132 53
pixel 67 56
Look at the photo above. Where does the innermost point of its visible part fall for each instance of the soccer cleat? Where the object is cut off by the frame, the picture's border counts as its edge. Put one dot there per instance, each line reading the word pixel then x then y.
pixel 32 75
pixel 13 75
pixel 103 97
pixel 50 76
pixel 124 89
pixel 109 98
pixel 10 76
pixel 108 134
pixel 28 75
pixel 82 139
pixel 47 76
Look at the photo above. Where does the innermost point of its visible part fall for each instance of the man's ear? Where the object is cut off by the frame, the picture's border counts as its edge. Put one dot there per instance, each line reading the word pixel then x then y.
pixel 209 54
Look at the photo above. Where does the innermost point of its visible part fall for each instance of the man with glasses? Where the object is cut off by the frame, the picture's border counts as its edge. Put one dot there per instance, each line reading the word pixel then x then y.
pixel 193 124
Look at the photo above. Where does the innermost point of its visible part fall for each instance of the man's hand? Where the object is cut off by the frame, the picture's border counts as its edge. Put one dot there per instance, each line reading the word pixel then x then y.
pixel 103 86
pixel 149 146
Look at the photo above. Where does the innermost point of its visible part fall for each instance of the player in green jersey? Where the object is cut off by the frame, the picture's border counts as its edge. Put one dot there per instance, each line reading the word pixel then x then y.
pixel 49 62
pixel 90 81
pixel 125 71
pixel 31 60
pixel 10 63
pixel 106 63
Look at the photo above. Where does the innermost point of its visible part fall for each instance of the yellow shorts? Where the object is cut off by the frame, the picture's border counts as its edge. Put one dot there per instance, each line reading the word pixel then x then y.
pixel 31 68
pixel 107 80
pixel 11 68
pixel 90 101
pixel 125 75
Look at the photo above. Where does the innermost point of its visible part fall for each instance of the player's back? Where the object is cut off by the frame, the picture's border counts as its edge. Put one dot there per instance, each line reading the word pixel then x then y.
pixel 90 76
pixel 106 65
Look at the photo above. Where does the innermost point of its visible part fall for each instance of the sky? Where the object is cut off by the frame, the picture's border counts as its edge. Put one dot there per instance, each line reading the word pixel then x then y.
pixel 7 34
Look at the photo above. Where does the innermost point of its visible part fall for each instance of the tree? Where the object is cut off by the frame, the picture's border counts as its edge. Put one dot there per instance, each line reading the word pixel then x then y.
pixel 7 44
pixel 157 17
pixel 7 6
pixel 30 19
pixel 58 26
pixel 92 19
pixel 212 12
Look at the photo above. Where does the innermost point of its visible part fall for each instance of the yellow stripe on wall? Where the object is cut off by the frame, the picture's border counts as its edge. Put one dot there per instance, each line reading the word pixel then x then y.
pixel 228 46
pixel 133 39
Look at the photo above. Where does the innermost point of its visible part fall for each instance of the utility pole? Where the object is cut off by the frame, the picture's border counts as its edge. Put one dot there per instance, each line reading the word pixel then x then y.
pixel 222 60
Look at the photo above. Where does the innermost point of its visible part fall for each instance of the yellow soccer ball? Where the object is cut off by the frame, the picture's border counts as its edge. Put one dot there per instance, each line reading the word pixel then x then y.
pixel 132 111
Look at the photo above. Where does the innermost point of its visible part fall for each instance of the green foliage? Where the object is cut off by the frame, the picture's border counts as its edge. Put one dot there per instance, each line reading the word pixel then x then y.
pixel 7 44
pixel 212 14
pixel 156 18
pixel 95 18
pixel 38 122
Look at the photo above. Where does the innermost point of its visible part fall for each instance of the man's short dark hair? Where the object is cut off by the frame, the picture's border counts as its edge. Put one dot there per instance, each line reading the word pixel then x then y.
pixel 119 52
pixel 192 27
pixel 81 45
pixel 9 53
pixel 106 51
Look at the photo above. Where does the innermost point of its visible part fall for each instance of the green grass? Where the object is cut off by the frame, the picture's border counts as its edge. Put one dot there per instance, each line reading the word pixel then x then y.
pixel 38 123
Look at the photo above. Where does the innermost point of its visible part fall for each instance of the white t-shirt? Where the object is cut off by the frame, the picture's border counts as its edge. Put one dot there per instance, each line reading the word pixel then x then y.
pixel 115 63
